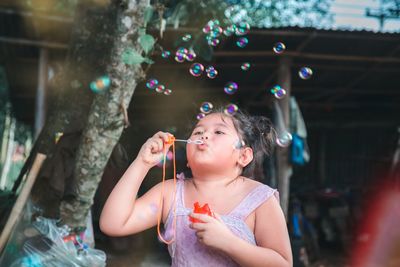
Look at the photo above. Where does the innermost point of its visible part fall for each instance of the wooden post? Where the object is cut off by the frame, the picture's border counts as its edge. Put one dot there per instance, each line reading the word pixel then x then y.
pixel 284 169
pixel 21 200
pixel 40 105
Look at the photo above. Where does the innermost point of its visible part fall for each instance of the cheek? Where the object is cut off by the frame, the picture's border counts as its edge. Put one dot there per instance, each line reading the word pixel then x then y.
pixel 189 151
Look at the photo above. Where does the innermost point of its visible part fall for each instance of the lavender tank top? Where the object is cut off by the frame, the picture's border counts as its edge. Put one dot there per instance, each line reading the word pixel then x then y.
pixel 186 251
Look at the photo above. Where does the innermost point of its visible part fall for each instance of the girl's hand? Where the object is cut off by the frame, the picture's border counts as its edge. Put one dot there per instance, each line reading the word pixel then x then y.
pixel 212 232
pixel 152 150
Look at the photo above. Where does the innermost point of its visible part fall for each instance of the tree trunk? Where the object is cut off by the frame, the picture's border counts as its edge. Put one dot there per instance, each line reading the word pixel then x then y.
pixel 106 118
pixel 70 97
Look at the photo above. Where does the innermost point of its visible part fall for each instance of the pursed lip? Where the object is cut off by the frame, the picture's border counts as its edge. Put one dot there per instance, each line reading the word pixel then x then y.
pixel 203 146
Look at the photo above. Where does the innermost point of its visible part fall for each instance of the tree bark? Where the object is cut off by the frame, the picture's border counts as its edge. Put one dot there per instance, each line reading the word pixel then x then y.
pixel 70 97
pixel 106 117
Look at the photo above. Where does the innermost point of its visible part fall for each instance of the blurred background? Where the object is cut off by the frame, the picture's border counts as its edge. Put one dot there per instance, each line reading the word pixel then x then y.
pixel 326 72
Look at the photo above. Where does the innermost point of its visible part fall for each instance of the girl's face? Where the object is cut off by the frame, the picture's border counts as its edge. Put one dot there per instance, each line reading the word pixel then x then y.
pixel 220 143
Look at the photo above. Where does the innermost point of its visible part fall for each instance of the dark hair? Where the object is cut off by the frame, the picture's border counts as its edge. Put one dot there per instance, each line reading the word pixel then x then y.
pixel 255 132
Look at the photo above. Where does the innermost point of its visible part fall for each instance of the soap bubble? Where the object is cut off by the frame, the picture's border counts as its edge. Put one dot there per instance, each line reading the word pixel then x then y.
pixel 242 42
pixel 275 89
pixel 160 88
pixel 279 48
pixel 206 107
pixel 305 73
pixel 211 72
pixel 231 88
pixel 280 94
pixel 152 83
pixel 165 54
pixel 229 30
pixel 196 69
pixel 167 92
pixel 231 109
pixel 245 66
pixel 200 116
pixel 180 54
pixel 190 56
pixel 100 84
pixel 216 32
pixel 242 28
pixel 213 41
pixel 284 139
pixel 186 37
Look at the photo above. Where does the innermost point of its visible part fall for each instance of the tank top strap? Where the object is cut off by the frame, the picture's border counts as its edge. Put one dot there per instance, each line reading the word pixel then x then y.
pixel 253 200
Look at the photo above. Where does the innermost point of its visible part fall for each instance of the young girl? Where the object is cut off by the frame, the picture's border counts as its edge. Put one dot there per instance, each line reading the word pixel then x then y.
pixel 247 228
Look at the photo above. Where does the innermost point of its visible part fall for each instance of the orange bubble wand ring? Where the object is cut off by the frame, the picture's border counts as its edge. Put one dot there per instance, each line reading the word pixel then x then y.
pixel 170 141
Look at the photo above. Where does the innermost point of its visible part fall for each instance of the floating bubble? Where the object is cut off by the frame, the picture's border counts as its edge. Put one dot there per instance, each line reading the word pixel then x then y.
pixel 275 89
pixel 190 56
pixel 160 88
pixel 100 84
pixel 245 66
pixel 200 116
pixel 211 72
pixel 180 58
pixel 209 68
pixel 167 92
pixel 180 54
pixel 305 73
pixel 242 28
pixel 284 139
pixel 186 37
pixel 280 94
pixel 231 88
pixel 165 54
pixel 279 48
pixel 231 109
pixel 213 41
pixel 196 69
pixel 216 32
pixel 207 29
pixel 229 30
pixel 152 84
pixel 206 107
pixel 242 42
pixel 182 50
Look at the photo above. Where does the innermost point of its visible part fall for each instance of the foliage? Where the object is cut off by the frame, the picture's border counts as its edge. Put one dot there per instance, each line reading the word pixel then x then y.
pixel 259 13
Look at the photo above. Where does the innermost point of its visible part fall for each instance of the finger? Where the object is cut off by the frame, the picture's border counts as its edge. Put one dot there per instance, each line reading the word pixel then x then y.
pixel 155 146
pixel 202 217
pixel 200 235
pixel 198 226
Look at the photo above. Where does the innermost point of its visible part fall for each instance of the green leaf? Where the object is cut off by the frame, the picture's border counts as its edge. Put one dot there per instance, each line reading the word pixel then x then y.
pixel 148 60
pixel 142 31
pixel 131 57
pixel 148 14
pixel 146 41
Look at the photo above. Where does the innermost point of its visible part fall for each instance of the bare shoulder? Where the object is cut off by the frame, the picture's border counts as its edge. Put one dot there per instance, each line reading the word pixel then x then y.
pixel 250 183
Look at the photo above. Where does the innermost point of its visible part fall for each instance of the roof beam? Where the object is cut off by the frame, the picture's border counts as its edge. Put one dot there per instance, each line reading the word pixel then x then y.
pixel 331 57
pixel 41 44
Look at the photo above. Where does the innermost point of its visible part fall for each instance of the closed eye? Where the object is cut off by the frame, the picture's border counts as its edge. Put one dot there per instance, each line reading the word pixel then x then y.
pixel 198 132
pixel 219 132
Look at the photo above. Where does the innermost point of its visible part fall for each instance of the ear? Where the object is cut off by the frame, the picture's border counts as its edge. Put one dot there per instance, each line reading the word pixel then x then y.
pixel 245 157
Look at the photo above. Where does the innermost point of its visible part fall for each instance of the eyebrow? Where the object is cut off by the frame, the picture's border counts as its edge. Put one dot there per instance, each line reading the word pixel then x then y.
pixel 218 124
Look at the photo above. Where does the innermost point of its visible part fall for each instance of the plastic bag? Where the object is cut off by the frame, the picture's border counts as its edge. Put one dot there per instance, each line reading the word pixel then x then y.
pixel 42 243
pixel 53 248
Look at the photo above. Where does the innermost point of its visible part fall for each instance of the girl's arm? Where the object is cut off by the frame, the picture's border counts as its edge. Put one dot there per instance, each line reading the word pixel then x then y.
pixel 123 214
pixel 273 245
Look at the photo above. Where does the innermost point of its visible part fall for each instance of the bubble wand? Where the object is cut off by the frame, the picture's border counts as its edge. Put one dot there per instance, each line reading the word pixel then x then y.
pixel 171 141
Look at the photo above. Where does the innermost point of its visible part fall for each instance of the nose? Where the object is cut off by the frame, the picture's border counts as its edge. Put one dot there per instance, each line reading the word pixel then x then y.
pixel 204 135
